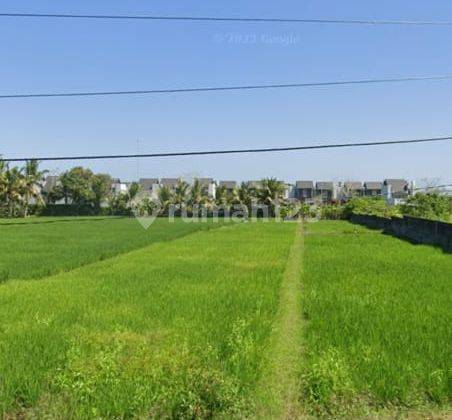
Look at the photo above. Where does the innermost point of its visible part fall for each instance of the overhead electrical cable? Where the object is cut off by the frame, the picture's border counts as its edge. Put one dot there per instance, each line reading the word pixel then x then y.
pixel 227 19
pixel 230 151
pixel 225 88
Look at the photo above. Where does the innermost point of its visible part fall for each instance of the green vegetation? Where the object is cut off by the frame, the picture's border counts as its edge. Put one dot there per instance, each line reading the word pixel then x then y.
pixel 374 206
pixel 378 318
pixel 37 247
pixel 428 206
pixel 177 329
pixel 279 383
pixel 102 319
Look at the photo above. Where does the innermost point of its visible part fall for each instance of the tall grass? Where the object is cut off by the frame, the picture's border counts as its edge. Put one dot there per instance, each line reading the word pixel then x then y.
pixel 177 329
pixel 39 247
pixel 378 315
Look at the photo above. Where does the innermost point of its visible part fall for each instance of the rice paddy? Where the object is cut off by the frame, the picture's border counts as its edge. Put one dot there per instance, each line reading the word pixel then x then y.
pixel 102 319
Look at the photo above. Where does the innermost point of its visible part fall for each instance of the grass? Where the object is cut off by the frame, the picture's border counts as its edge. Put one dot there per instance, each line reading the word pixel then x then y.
pixel 38 247
pixel 245 320
pixel 280 380
pixel 176 329
pixel 378 320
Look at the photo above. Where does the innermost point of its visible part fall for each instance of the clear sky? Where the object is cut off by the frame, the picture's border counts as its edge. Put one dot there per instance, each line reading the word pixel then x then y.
pixel 75 55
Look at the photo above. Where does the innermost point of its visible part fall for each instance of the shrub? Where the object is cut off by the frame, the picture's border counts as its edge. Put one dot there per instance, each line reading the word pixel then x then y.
pixel 428 206
pixel 332 211
pixel 374 206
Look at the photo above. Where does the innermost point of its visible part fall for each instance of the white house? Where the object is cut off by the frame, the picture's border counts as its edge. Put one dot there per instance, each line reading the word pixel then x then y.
pixel 210 185
pixel 118 187
pixel 149 187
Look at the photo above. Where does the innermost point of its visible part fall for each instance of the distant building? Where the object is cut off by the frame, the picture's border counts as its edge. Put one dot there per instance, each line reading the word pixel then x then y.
pixel 210 185
pixel 169 183
pixel 304 191
pixel 118 187
pixel 254 184
pixel 352 189
pixel 229 186
pixel 395 191
pixel 49 184
pixel 372 188
pixel 149 187
pixel 326 191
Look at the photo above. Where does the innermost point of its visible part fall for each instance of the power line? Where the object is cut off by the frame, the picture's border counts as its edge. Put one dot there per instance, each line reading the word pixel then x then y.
pixel 225 88
pixel 231 151
pixel 433 187
pixel 229 19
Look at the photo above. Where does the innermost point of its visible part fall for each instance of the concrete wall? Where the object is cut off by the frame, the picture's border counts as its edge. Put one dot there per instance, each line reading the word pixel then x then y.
pixel 421 231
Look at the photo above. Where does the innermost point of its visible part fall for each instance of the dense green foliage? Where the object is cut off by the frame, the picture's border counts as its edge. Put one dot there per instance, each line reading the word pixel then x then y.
pixel 378 318
pixel 38 247
pixel 19 189
pixel 428 206
pixel 332 211
pixel 375 206
pixel 178 329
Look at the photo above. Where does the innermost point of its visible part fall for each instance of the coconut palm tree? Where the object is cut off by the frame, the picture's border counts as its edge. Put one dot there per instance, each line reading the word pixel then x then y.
pixel 132 194
pixel 245 195
pixel 198 193
pixel 198 196
pixel 271 193
pixel 2 182
pixel 14 189
pixel 32 184
pixel 221 196
pixel 165 196
pixel 180 194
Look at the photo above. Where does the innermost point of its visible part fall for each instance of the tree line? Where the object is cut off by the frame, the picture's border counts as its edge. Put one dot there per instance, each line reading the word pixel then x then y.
pixel 79 191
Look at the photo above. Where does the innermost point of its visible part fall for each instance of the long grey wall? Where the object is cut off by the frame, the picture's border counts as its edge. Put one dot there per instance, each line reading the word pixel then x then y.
pixel 417 230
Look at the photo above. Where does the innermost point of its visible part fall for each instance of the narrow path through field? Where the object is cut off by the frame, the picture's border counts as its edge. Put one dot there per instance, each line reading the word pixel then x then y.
pixel 280 383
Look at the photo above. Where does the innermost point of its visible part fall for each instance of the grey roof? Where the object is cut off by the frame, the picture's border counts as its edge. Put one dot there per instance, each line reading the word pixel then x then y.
pixel 372 185
pixel 205 181
pixel 228 184
pixel 254 184
pixel 147 183
pixel 353 185
pixel 397 185
pixel 304 185
pixel 326 186
pixel 115 181
pixel 169 182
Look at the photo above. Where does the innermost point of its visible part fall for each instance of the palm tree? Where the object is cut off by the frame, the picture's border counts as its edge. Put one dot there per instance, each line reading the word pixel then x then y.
pixel 245 195
pixel 32 184
pixel 165 198
pixel 198 195
pixel 221 196
pixel 132 192
pixel 14 189
pixel 271 193
pixel 179 197
pixel 180 192
pixel 2 182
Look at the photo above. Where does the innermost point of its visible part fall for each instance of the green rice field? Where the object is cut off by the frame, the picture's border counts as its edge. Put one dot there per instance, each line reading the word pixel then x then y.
pixel 100 318
pixel 43 246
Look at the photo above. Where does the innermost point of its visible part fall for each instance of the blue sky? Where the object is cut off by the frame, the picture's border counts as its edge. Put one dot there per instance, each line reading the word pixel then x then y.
pixel 75 55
